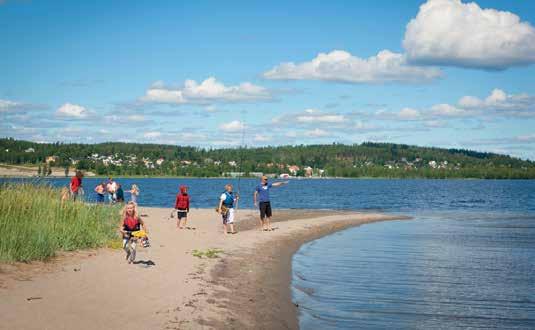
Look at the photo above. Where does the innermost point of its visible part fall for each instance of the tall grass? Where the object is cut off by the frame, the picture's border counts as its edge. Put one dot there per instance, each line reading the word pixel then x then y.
pixel 34 224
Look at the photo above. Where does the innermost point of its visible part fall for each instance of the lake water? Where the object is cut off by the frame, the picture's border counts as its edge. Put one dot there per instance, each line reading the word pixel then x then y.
pixel 466 260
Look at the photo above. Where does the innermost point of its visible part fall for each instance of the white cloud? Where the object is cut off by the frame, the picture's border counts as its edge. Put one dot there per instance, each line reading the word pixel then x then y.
pixel 447 110
pixel 339 65
pixel 317 133
pixel 16 108
pixel 498 102
pixel 210 90
pixel 449 32
pixel 152 135
pixel 233 126
pixel 7 105
pixel 409 114
pixel 315 116
pixel 72 111
pixel 312 117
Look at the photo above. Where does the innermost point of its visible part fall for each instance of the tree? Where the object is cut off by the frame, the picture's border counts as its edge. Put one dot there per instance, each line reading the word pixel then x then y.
pixel 67 171
pixel 49 172
pixel 39 171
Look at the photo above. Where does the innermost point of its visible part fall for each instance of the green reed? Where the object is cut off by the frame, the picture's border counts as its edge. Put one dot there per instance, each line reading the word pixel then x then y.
pixel 34 223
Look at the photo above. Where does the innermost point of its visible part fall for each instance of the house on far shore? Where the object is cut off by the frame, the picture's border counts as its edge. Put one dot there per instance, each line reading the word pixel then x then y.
pixel 309 172
pixel 256 174
pixel 29 150
pixel 284 176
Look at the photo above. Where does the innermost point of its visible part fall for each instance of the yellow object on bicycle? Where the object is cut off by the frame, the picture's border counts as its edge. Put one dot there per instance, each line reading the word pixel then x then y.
pixel 139 233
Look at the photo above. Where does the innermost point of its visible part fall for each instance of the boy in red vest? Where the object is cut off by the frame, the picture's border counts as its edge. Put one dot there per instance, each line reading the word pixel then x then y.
pixel 182 207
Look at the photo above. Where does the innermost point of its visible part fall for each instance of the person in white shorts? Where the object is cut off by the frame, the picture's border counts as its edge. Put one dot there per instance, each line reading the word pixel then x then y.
pixel 227 201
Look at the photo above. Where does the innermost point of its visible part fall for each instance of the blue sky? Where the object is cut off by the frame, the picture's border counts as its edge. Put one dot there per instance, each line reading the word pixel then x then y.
pixel 440 73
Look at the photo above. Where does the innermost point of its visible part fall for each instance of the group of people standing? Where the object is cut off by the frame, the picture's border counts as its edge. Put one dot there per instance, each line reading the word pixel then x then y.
pixel 227 205
pixel 114 192
pixel 110 190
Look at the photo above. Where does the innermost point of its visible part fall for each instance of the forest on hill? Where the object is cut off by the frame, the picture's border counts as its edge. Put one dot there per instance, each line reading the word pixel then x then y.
pixel 368 159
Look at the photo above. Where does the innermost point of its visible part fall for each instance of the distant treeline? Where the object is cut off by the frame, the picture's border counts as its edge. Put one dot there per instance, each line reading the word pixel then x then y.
pixel 333 160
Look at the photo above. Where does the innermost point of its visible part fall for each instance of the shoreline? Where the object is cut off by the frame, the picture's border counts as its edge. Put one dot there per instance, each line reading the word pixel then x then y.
pixel 174 288
pixel 270 283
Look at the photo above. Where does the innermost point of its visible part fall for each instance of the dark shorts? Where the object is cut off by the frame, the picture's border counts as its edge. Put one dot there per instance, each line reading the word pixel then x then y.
pixel 181 214
pixel 265 210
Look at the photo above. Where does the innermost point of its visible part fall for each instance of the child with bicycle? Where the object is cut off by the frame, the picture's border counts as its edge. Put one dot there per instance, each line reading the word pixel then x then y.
pixel 130 229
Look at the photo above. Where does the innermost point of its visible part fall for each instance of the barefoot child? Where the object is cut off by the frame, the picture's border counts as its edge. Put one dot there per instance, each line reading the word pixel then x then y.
pixel 182 207
pixel 226 208
pixel 131 223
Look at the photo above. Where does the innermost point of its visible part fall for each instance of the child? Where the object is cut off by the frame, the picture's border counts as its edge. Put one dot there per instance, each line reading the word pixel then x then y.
pixel 182 207
pixel 64 195
pixel 226 208
pixel 100 190
pixel 131 223
pixel 76 185
pixel 134 193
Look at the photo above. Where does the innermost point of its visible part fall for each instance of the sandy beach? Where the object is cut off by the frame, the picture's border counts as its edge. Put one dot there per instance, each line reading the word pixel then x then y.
pixel 247 286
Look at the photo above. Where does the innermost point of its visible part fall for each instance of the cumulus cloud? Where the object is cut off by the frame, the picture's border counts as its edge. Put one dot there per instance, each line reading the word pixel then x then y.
pixel 500 102
pixel 449 32
pixel 409 114
pixel 69 110
pixel 339 65
pixel 497 103
pixel 233 126
pixel 208 91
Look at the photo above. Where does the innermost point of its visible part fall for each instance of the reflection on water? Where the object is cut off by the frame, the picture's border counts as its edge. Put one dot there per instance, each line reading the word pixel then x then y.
pixel 437 271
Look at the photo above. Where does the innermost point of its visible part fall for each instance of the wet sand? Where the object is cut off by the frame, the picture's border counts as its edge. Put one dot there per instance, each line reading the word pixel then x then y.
pixel 246 286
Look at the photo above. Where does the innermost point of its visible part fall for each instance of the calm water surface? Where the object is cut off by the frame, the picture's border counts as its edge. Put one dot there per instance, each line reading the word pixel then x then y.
pixel 439 271
pixel 467 260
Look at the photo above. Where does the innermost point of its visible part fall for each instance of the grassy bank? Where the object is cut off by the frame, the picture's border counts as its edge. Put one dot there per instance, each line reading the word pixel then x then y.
pixel 34 224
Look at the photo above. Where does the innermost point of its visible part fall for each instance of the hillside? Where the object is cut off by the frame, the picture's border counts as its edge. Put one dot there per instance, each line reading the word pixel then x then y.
pixel 335 160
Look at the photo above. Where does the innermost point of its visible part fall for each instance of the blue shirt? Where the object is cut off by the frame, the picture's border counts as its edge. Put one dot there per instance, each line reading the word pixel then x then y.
pixel 263 192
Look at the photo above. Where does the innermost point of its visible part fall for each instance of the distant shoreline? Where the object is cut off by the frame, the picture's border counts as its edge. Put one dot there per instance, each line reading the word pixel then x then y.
pixel 18 176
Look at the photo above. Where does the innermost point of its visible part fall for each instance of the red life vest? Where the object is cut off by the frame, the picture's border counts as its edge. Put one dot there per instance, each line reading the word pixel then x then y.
pixel 182 202
pixel 131 224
